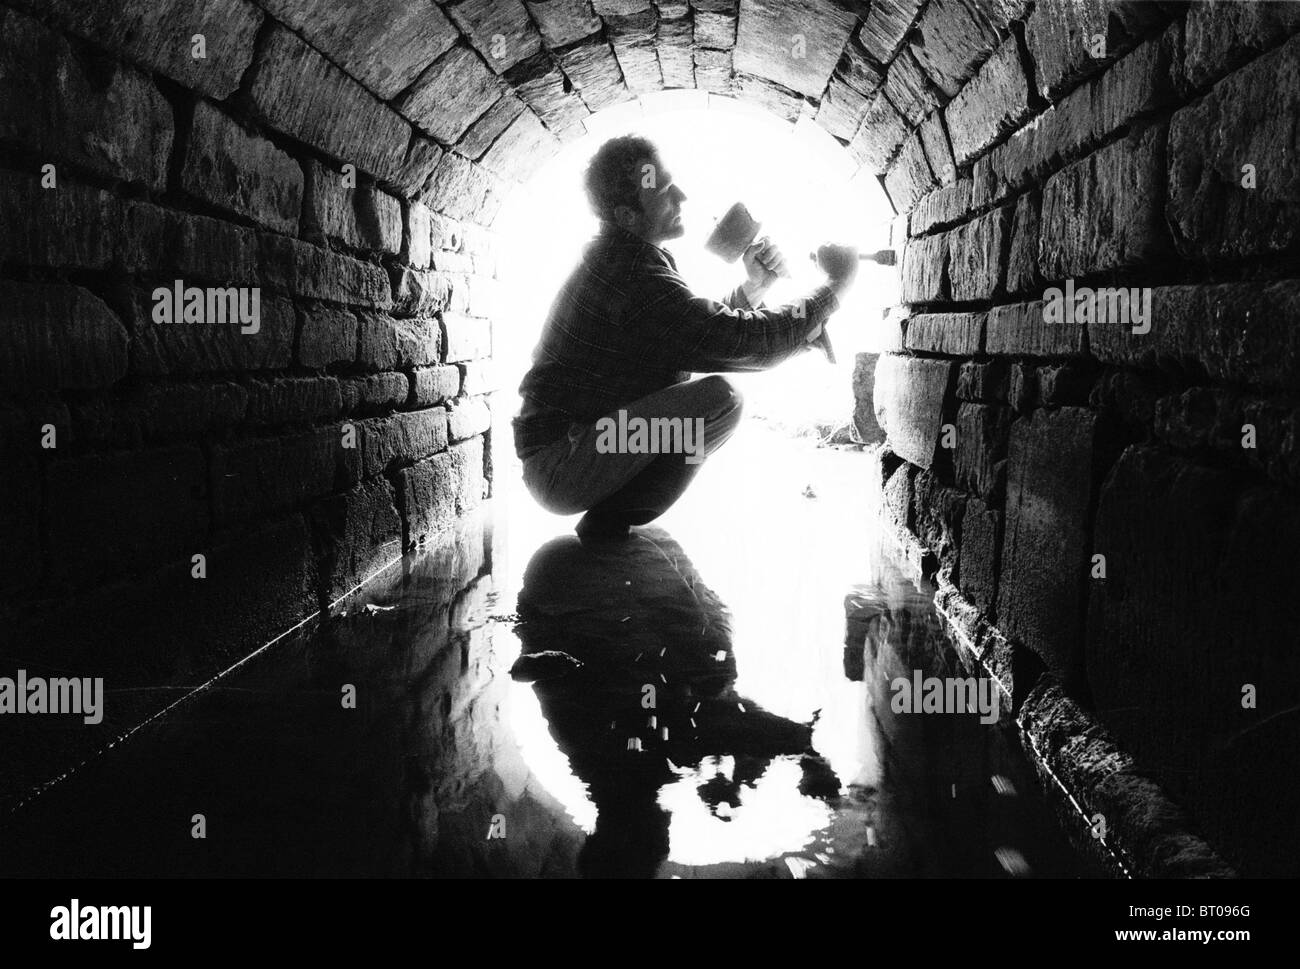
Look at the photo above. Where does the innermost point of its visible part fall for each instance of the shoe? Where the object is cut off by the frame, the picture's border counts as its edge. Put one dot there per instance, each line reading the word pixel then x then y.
pixel 599 529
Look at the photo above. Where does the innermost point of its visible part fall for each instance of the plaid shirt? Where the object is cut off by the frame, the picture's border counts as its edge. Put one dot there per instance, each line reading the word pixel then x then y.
pixel 625 325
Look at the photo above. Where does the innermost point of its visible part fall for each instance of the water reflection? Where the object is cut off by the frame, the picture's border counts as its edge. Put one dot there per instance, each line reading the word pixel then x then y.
pixel 630 654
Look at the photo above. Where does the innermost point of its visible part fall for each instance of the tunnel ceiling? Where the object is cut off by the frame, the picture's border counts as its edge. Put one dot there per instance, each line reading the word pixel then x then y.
pixel 393 85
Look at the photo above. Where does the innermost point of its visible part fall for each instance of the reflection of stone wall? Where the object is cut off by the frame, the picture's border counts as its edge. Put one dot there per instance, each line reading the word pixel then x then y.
pixel 1053 442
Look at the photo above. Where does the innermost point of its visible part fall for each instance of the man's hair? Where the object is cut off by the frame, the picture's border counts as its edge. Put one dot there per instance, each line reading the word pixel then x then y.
pixel 612 178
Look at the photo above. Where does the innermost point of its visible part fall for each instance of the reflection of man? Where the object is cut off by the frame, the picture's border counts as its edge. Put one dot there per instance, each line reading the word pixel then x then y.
pixel 625 333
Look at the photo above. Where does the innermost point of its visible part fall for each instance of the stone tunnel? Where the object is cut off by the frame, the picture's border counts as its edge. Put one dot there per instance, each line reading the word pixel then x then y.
pixel 1086 421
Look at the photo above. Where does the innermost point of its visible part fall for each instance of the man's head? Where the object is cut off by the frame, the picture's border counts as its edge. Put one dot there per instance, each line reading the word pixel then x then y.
pixel 628 185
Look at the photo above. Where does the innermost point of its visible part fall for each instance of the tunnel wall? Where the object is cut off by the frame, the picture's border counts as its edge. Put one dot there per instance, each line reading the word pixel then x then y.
pixel 1091 486
pixel 208 143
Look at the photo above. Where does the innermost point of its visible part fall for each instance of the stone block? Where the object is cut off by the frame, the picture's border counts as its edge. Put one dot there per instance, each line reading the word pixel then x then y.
pixel 982 433
pixel 977 256
pixel 994 102
pixel 353 213
pixel 500 30
pixel 55 336
pixel 952 334
pixel 260 477
pixel 452 93
pixel 981 539
pixel 910 398
pixel 402 439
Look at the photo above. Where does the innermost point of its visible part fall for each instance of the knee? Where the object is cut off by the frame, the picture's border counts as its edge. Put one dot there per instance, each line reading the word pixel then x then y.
pixel 722 393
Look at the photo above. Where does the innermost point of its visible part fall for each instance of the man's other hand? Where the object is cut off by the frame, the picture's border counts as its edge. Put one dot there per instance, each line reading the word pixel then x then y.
pixel 840 264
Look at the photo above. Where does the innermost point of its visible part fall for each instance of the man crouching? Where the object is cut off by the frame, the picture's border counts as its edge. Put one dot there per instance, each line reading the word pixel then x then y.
pixel 620 344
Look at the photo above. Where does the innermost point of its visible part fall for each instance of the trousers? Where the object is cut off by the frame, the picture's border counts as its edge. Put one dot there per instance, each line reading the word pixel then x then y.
pixel 580 472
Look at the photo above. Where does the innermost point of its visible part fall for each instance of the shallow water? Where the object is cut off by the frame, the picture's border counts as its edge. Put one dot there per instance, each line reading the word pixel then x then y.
pixel 713 699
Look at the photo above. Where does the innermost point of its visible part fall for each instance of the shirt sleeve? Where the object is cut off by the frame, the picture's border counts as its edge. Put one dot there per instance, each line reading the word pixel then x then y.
pixel 701 335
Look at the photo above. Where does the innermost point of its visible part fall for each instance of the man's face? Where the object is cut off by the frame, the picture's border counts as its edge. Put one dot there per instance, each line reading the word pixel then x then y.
pixel 661 200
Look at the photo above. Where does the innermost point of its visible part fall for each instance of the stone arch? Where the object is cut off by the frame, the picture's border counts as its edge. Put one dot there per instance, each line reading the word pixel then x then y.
pixel 347 161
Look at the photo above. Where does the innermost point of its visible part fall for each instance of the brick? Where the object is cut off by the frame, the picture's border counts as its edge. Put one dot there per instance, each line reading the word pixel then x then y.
pixel 1022 387
pixel 673 48
pixel 356 534
pixel 1120 187
pixel 435 491
pixel 865 425
pixel 780 101
pixel 523 148
pixel 764 47
pixel 306 270
pixel 55 336
pixel 484 21
pixel 1166 658
pixel 977 255
pixel 59 107
pixel 422 158
pixel 328 336
pixel 241 173
pixel 401 439
pixel 909 89
pixel 592 68
pixel 374 394
pixel 715 29
pixel 194 248
pixel 185 348
pixel 713 71
pixel 122 512
pixel 925 270
pixel 157 34
pixel 479 377
pixel 1020 329
pixel 451 95
pixel 937 511
pixel 294 400
pixel 958 36
pixel 909 177
pixel 938 151
pixel 260 477
pixel 361 217
pixel 943 207
pixel 980 545
pixel 910 400
pixel 842 109
pixel 1022 259
pixel 1213 217
pixel 994 102
pixel 386 343
pixel 422 293
pixel 465 337
pixel 1241 333
pixel 1045 552
pixel 953 334
pixel 383 44
pixel 467 417
pixel 188 410
pixel 562 22
pixel 886 23
pixel 982 434
pixel 417 239
pixel 1059 35
pixel 983 382
pixel 882 131
pixel 489 127
pixel 1222 36
pixel 433 385
pixel 297 91
pixel 55 228
pixel 857 69
pixel 458 187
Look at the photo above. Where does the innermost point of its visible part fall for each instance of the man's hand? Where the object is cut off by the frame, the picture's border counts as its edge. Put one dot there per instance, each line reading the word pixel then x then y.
pixel 840 264
pixel 765 264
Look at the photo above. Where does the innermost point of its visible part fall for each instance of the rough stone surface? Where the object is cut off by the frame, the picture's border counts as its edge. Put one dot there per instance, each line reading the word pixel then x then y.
pixel 769 31
pixel 952 334
pixel 958 36
pixel 909 397
pixel 115 123
pixel 433 385
pixel 296 90
pixel 401 439
pixel 357 534
pixel 882 131
pixel 500 30
pixel 982 432
pixel 1019 329
pixel 886 23
pixel 842 109
pixel 562 22
pixel 489 127
pixel 546 90
pixel 991 104
pixel 910 90
pixel 865 425
pixel 938 150
pixel 182 348
pixel 1045 554
pixel 55 336
pixel 1222 36
pixel 595 74
pixel 909 177
pixel 242 173
pixel 1213 216
pixel 1121 186
pixel 266 475
pixel 942 207
pixel 978 558
pixel 925 270
pixel 453 93
pixel 1059 35
pixel 1022 259
pixel 983 382
pixel 383 44
pixel 302 269
pixel 977 256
